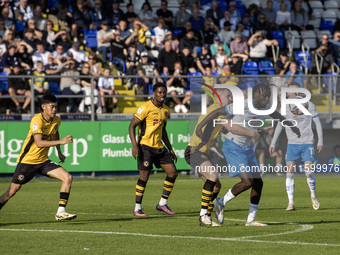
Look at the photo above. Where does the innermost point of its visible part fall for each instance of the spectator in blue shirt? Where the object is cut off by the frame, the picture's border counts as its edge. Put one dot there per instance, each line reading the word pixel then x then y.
pixel 335 159
pixel 98 14
pixel 196 20
pixel 301 80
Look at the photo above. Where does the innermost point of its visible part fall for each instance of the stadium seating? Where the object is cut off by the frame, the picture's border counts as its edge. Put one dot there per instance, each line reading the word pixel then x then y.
pixel 54 87
pixel 250 68
pixel 266 67
pixel 309 37
pixel 278 35
pixel 90 37
pixel 316 5
pixel 331 5
pixel 301 57
pixel 3 82
pixel 330 15
pixel 289 39
pixel 327 25
pixel 240 7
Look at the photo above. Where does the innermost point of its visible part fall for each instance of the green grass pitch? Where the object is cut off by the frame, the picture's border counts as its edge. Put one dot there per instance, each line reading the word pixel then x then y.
pixel 105 224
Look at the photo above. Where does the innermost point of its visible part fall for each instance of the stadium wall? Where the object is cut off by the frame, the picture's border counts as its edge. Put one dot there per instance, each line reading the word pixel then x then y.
pixel 97 146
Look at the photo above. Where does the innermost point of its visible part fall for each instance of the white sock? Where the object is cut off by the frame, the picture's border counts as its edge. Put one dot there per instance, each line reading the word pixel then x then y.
pixel 252 212
pixel 227 197
pixel 290 186
pixel 138 207
pixel 163 201
pixel 311 183
pixel 61 209
pixel 203 211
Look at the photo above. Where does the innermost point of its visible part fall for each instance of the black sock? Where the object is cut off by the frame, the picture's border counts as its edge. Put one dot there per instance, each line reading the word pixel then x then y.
pixel 63 198
pixel 140 188
pixel 207 192
pixel 168 186
pixel 211 203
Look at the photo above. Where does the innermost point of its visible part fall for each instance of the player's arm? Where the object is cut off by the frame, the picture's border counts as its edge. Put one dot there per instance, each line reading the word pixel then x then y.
pixel 319 132
pixel 167 143
pixel 239 130
pixel 132 133
pixel 276 135
pixel 277 115
pixel 38 139
pixel 213 115
pixel 61 156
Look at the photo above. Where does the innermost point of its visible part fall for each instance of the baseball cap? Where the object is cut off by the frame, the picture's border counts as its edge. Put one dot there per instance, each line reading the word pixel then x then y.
pixel 144 54
pixel 206 46
pixel 246 15
pixel 105 22
pixel 217 38
pixel 16 64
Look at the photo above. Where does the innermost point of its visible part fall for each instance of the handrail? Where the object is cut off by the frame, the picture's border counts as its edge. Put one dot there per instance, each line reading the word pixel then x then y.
pixel 290 45
pixel 318 63
pixel 335 72
pixel 275 51
pixel 305 57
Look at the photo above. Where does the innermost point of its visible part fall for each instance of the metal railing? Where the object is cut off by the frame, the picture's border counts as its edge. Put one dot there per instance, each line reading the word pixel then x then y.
pixel 325 89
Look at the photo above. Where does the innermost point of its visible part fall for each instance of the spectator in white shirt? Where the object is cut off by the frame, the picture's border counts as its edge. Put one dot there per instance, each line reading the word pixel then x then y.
pixel 78 55
pixel 40 54
pixel 24 8
pixel 107 87
pixel 283 18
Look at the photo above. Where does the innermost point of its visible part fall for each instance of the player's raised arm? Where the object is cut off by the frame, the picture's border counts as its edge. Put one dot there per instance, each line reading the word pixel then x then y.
pixel 132 133
pixel 167 143
pixel 277 115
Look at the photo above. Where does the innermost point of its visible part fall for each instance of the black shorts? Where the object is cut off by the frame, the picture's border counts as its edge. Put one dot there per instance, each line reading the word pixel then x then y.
pixel 195 157
pixel 149 156
pixel 25 172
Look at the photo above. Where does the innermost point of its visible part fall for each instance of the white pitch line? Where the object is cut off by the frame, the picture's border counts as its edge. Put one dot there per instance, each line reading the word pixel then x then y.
pixel 169 236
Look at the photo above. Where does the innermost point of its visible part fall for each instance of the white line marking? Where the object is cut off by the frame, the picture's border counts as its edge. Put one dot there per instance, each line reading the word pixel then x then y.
pixel 168 236
pixel 304 227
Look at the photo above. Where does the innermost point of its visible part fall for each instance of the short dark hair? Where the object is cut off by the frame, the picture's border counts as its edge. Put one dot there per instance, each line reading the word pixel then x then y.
pixel 262 89
pixel 48 98
pixel 158 85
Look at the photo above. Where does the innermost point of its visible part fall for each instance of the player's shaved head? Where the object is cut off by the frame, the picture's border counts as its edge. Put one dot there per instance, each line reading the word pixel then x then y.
pixel 158 85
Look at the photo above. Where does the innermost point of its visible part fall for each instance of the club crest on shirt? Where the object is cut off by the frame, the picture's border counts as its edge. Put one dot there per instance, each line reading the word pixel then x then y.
pixel 140 110
pixel 35 126
pixel 56 126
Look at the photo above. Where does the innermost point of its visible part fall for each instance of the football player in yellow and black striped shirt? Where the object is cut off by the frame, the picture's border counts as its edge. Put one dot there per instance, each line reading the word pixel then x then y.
pixel 33 158
pixel 197 155
pixel 151 119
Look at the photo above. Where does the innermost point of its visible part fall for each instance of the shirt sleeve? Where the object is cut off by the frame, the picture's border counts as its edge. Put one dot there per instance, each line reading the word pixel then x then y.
pixel 141 113
pixel 36 126
pixel 313 111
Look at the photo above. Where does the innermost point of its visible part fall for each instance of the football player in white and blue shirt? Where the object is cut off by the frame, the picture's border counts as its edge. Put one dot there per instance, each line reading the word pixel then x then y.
pixel 302 147
pixel 239 152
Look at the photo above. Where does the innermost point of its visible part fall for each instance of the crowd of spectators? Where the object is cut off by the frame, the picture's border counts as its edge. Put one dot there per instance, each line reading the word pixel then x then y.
pixel 213 42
